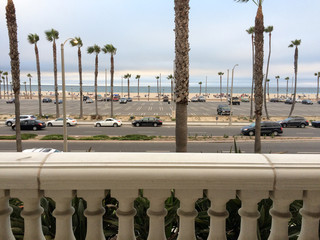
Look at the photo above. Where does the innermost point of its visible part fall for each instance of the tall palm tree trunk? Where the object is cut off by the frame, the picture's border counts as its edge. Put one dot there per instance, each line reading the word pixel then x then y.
pixel 80 79
pixel 39 78
pixel 295 80
pixel 265 81
pixel 30 88
pixel 220 88
pixel 258 74
pixel 55 71
pixel 7 87
pixel 252 84
pixel 138 89
pixel 317 97
pixel 112 74
pixel 15 66
pixel 181 72
pixel 128 87
pixel 96 85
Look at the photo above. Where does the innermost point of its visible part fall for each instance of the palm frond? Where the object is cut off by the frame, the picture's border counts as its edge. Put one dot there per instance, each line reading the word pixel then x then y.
pixel 76 42
pixel 250 30
pixel 109 48
pixel 29 75
pixel 296 42
pixel 93 49
pixel 138 77
pixel 268 29
pixel 33 38
pixel 220 73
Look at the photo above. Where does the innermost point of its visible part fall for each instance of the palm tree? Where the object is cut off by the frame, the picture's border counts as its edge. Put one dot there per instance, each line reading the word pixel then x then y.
pixel 268 81
pixel 170 77
pixel 295 44
pixel 109 48
pixel 277 77
pixel 77 42
pixel 258 71
pixel 96 50
pixel 251 32
pixel 200 84
pixel 25 89
pixel 52 35
pixel 138 78
pixel 181 73
pixel 6 78
pixel 4 87
pixel 0 83
pixel 157 77
pixel 317 75
pixel 220 74
pixel 15 66
pixel 30 76
pixel 287 79
pixel 33 39
pixel 128 76
pixel 269 29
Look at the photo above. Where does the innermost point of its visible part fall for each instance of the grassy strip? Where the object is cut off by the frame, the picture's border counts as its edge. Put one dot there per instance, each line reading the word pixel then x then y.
pixel 24 136
pixel 56 137
pixel 97 137
pixel 136 137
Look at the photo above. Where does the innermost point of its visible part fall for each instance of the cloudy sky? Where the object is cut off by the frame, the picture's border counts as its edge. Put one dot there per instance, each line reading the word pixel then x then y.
pixel 142 32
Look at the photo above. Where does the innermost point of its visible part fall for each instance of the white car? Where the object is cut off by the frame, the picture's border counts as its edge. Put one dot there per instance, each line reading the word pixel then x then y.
pixel 43 150
pixel 10 121
pixel 59 122
pixel 89 100
pixel 109 122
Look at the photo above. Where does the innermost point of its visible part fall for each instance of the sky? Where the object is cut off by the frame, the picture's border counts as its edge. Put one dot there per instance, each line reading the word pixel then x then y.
pixel 142 32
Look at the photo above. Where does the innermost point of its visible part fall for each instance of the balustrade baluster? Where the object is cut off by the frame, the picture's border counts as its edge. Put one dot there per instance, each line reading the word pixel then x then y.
pixel 63 213
pixel 5 211
pixel 187 212
pixel 94 213
pixel 156 213
pixel 310 216
pixel 249 212
pixel 280 213
pixel 218 213
pixel 125 212
pixel 31 213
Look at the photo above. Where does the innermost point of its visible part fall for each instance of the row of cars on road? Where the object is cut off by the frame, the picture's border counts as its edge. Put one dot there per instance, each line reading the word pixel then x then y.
pixel 290 101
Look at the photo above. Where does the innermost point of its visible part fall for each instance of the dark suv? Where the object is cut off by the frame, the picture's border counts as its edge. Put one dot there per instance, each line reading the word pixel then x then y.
pixel 223 109
pixel 294 122
pixel 267 128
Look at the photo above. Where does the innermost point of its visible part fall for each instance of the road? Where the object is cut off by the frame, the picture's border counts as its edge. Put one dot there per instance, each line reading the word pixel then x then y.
pixel 204 130
pixel 292 147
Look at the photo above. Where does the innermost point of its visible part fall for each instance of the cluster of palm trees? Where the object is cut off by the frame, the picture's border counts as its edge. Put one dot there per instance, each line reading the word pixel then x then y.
pixel 4 79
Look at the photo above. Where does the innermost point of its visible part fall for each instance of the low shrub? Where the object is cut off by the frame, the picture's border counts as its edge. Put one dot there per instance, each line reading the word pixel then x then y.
pixel 134 137
pixel 97 137
pixel 56 137
pixel 24 136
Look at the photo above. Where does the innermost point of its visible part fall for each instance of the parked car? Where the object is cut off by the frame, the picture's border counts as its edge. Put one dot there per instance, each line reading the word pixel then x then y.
pixel 10 121
pixel 84 98
pixel 307 101
pixel 123 100
pixel 129 99
pixel 12 100
pixel 89 100
pixel 245 100
pixel 235 101
pixel 223 109
pixel 147 121
pixel 274 100
pixel 116 97
pixel 267 128
pixel 288 101
pixel 109 122
pixel 47 100
pixel 30 124
pixel 59 101
pixel 194 99
pixel 298 100
pixel 294 122
pixel 42 150
pixel 315 124
pixel 59 122
pixel 201 99
pixel 165 98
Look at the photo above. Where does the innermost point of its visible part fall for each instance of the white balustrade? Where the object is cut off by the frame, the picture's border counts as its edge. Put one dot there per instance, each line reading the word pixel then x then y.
pixel 283 178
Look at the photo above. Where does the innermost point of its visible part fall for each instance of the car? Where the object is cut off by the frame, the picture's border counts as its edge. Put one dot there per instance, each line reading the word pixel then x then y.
pixel 274 100
pixel 47 100
pixel 223 109
pixel 194 99
pixel 59 101
pixel 288 101
pixel 245 100
pixel 147 121
pixel 235 101
pixel 10 121
pixel 84 98
pixel 315 124
pixel 201 99
pixel 12 100
pixel 295 121
pixel 109 122
pixel 42 150
pixel 89 100
pixel 307 101
pixel 319 102
pixel 30 124
pixel 116 97
pixel 267 128
pixel 129 99
pixel 59 122
pixel 123 100
pixel 298 100
pixel 165 98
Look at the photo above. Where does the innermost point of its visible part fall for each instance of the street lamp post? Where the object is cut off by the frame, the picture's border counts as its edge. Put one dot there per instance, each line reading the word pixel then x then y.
pixel 230 119
pixel 65 134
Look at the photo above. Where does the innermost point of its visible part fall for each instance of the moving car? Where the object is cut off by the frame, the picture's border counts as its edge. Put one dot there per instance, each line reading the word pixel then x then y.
pixel 307 101
pixel 59 122
pixel 59 101
pixel 12 100
pixel 30 124
pixel 316 124
pixel 235 101
pixel 147 121
pixel 42 150
pixel 223 109
pixel 267 128
pixel 109 122
pixel 294 122
pixel 47 100
pixel 10 121
pixel 123 100
pixel 89 100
